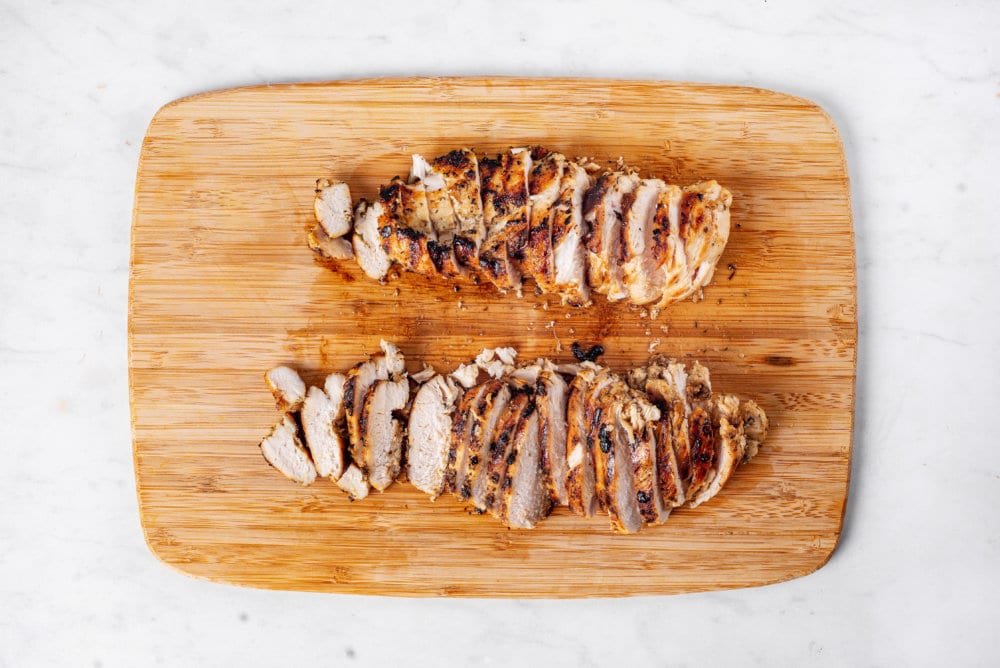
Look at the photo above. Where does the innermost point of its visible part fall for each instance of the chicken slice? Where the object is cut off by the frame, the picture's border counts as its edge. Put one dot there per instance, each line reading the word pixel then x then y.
pixel 668 479
pixel 442 217
pixel 458 438
pixel 551 395
pixel 704 227
pixel 643 277
pixel 288 388
pixel 284 451
pixel 505 214
pixel 637 420
pixel 323 423
pixel 459 170
pixel 621 494
pixel 703 441
pixel 429 433
pixel 525 497
pixel 730 442
pixel 370 219
pixel 667 248
pixel 472 452
pixel 569 256
pixel 481 443
pixel 330 248
pixel 354 483
pixel 755 425
pixel 665 382
pixel 598 409
pixel 410 230
pixel 359 380
pixel 382 431
pixel 544 183
pixel 332 207
pixel 579 460
pixel 603 212
pixel 488 484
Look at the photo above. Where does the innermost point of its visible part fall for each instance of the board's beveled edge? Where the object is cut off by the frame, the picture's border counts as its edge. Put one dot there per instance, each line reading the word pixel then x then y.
pixel 823 557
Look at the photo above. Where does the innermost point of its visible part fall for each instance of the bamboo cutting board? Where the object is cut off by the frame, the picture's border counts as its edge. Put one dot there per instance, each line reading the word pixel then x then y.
pixel 224 287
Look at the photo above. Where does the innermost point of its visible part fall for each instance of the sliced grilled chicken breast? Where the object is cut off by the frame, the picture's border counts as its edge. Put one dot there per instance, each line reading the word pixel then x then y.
pixel 602 207
pixel 382 431
pixel 287 387
pixel 544 184
pixel 551 395
pixel 354 483
pixel 621 493
pixel 704 226
pixel 569 256
pixel 442 217
pixel 500 449
pixel 367 240
pixel 460 172
pixel 411 230
pixel 323 424
pixel 702 436
pixel 474 452
pixel 730 442
pixel 284 451
pixel 525 499
pixel 329 248
pixel 637 420
pixel 333 207
pixel 461 426
pixel 579 460
pixel 428 434
pixel 643 277
pixel 667 248
pixel 505 213
pixel 359 380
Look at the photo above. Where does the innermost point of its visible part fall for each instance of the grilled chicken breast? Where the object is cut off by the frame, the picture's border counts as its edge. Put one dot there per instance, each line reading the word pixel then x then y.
pixel 531 213
pixel 529 438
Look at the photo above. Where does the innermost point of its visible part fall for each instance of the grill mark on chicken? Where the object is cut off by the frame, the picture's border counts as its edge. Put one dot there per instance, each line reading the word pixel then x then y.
pixel 500 448
pixel 459 433
pixel 493 398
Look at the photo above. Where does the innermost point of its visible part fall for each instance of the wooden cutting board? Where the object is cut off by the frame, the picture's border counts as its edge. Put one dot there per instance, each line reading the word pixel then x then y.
pixel 224 287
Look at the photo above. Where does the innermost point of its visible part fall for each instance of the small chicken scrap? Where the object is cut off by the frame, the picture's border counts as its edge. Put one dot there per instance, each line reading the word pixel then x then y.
pixel 533 214
pixel 527 438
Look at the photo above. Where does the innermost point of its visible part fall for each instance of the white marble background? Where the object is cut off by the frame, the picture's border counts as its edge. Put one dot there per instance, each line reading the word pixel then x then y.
pixel 915 90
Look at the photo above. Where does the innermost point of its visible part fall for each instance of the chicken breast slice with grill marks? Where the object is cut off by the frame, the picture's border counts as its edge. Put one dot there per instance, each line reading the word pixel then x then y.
pixel 408 244
pixel 599 417
pixel 525 497
pixel 603 212
pixel 704 227
pixel 284 451
pixel 569 255
pixel 359 381
pixel 624 508
pixel 665 383
pixel 382 429
pixel 475 450
pixel 667 248
pixel 500 449
pixel 551 395
pixel 333 208
pixel 505 214
pixel 458 438
pixel 730 443
pixel 459 170
pixel 442 217
pixel 544 183
pixel 579 460
pixel 323 425
pixel 288 388
pixel 637 419
pixel 370 220
pixel 642 272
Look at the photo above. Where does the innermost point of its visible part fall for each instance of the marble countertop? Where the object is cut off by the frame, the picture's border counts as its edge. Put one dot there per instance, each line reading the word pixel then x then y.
pixel 915 91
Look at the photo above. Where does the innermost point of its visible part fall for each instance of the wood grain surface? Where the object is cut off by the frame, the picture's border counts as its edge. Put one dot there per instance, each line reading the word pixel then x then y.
pixel 224 287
